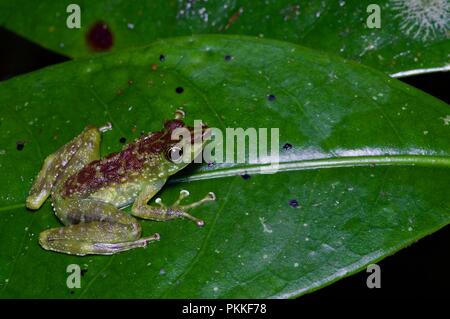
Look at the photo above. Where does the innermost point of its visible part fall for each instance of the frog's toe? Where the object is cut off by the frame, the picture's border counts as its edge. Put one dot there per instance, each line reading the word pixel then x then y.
pixel 160 203
pixel 208 198
pixel 179 114
pixel 184 208
pixel 183 194
pixel 106 127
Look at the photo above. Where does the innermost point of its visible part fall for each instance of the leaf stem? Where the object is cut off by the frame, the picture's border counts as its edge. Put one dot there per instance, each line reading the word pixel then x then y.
pixel 351 161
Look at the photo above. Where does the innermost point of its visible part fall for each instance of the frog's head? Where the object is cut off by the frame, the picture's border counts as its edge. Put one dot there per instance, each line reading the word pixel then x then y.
pixel 184 143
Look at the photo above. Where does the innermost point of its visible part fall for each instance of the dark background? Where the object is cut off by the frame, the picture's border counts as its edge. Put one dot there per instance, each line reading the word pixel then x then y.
pixel 419 271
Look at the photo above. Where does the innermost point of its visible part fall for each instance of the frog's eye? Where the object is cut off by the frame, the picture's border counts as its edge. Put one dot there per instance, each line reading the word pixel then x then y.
pixel 174 154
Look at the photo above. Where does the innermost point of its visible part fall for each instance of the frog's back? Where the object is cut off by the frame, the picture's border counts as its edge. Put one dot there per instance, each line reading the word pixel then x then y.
pixel 119 174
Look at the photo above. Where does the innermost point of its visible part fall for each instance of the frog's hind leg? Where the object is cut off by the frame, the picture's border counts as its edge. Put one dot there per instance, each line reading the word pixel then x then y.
pixel 93 227
pixel 67 160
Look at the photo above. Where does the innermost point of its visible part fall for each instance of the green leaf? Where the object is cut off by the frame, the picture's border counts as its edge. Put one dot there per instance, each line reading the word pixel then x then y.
pixel 412 38
pixel 369 168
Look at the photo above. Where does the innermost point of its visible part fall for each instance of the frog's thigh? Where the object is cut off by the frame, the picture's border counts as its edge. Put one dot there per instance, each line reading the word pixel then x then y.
pixel 67 160
pixel 94 228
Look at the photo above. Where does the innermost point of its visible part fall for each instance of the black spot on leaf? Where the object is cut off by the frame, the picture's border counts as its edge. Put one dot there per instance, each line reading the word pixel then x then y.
pixel 122 140
pixel 179 90
pixel 287 146
pixel 162 58
pixel 20 145
pixel 228 57
pixel 293 203
pixel 271 97
pixel 245 176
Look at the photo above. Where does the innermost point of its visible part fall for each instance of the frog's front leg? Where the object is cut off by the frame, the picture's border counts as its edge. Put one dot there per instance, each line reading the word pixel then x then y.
pixel 141 209
pixel 93 227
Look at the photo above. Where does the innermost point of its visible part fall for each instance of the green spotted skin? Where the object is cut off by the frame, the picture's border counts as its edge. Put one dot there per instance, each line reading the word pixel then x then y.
pixel 87 191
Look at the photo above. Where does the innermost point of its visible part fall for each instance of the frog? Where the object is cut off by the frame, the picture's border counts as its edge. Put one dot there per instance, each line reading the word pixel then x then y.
pixel 88 193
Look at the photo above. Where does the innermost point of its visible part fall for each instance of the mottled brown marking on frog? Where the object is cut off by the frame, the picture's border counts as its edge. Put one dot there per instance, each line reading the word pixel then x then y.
pixel 119 167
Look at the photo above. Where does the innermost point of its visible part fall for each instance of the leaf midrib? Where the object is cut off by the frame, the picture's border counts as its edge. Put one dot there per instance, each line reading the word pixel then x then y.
pixel 297 165
pixel 331 162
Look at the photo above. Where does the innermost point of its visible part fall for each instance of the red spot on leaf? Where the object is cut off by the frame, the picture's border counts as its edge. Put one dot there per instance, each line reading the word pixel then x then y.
pixel 100 37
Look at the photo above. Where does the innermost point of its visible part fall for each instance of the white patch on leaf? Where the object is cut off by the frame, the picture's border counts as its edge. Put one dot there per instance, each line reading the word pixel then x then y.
pixel 423 19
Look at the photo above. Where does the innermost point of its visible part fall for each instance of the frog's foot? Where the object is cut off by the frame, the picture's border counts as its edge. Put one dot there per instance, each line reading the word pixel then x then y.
pixel 162 212
pixel 181 210
pixel 100 238
pixel 111 248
